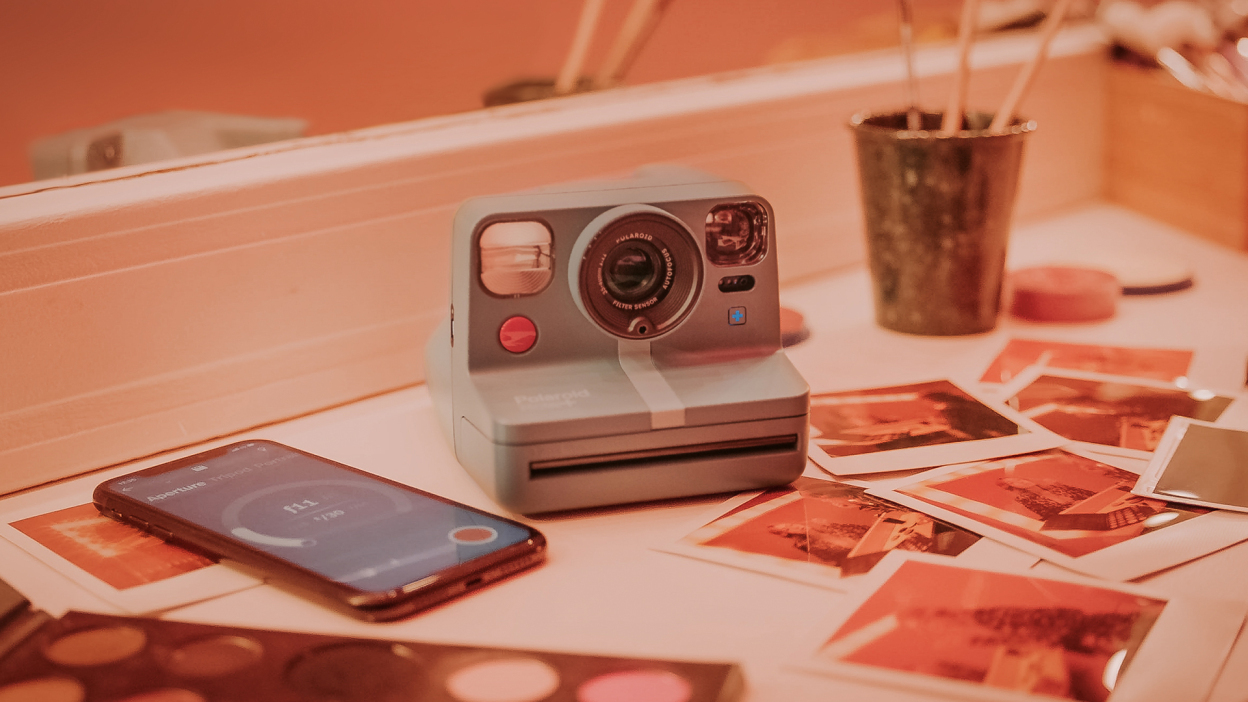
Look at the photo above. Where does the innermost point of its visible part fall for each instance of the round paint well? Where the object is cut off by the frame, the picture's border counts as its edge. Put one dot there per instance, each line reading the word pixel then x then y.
pixel 99 646
pixel 168 694
pixel 358 672
pixel 630 685
pixel 44 690
pixel 504 680
pixel 214 656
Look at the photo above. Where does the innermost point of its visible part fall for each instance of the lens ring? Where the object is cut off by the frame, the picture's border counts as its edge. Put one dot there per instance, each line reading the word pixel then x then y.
pixel 640 274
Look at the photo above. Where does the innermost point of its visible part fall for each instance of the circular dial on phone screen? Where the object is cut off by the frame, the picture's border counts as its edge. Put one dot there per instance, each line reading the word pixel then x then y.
pixel 295 514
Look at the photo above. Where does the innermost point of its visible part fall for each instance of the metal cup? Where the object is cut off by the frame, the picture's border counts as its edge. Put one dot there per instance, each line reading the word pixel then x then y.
pixel 937 209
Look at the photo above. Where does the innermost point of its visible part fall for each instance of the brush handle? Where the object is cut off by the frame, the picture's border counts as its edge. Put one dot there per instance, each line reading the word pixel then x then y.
pixel 952 121
pixel 641 21
pixel 1023 82
pixel 914 120
pixel 571 71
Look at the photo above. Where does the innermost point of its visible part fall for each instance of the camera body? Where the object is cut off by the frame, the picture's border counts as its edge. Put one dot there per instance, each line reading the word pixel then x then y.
pixel 617 341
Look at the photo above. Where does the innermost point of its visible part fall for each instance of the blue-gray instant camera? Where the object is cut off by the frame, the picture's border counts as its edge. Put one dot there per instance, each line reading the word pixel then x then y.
pixel 619 341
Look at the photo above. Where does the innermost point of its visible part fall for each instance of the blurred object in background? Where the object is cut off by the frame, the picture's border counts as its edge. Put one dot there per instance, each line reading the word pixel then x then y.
pixel 1000 15
pixel 1177 108
pixel 1171 24
pixel 643 18
pixel 934 23
pixel 1201 45
pixel 155 137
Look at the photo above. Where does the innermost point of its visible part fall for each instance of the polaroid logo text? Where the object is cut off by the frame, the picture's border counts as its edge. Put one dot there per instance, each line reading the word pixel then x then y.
pixel 554 399
pixel 175 491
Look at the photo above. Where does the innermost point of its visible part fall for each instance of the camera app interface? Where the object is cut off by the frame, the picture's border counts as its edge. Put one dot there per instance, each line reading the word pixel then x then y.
pixel 341 524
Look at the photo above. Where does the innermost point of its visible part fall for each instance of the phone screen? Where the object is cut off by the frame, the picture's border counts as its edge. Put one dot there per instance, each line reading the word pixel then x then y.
pixel 345 525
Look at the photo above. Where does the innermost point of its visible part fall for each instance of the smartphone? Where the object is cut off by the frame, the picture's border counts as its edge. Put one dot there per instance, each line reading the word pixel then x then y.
pixel 380 548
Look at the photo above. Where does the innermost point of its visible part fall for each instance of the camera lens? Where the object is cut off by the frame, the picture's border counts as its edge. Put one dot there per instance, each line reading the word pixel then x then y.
pixel 640 273
pixel 736 234
pixel 633 271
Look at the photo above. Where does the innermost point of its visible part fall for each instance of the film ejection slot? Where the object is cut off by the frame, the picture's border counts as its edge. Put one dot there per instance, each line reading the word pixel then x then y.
pixel 624 459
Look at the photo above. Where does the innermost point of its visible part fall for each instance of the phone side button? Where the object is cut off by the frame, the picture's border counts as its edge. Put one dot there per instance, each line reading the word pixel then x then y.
pixel 162 534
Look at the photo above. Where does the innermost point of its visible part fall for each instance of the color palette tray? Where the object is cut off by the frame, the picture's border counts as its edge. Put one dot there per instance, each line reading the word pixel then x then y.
pixel 84 657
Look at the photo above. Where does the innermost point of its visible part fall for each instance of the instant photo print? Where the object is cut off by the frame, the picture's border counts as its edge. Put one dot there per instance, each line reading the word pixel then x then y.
pixel 1111 414
pixel 1072 508
pixel 824 533
pixel 619 341
pixel 916 425
pixel 1199 463
pixel 133 571
pixel 924 623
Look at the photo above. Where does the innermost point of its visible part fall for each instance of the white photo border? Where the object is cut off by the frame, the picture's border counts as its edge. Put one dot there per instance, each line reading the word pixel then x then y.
pixel 984 550
pixel 1191 635
pixel 1034 438
pixel 1170 441
pixel 1131 559
pixel 1026 377
pixel 203 583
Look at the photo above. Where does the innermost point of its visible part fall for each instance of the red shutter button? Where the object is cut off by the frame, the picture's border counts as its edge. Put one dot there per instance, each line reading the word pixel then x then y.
pixel 518 334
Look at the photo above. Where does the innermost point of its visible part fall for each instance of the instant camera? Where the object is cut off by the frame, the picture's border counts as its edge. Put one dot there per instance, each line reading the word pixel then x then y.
pixel 619 341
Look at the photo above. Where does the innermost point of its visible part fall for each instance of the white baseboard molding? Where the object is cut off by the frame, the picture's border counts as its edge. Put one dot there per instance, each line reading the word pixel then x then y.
pixel 154 307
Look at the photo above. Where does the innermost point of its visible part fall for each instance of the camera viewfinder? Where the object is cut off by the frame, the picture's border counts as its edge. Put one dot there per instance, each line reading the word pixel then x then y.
pixel 736 235
pixel 515 258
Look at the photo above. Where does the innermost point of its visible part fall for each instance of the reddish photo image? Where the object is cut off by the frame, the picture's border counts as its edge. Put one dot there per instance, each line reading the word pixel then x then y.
pixel 1013 632
pixel 1110 413
pixel 1155 364
pixel 1060 500
pixel 117 554
pixel 831 524
pixel 903 416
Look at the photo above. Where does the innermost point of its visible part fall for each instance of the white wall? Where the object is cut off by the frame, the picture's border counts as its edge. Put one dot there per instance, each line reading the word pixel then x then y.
pixel 150 308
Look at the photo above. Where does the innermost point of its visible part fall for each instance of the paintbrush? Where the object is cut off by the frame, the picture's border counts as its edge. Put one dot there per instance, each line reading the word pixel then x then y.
pixel 914 119
pixel 643 17
pixel 957 96
pixel 569 75
pixel 1023 82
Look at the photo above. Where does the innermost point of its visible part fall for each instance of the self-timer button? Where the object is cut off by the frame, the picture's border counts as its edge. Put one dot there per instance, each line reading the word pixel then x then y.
pixel 518 334
pixel 736 316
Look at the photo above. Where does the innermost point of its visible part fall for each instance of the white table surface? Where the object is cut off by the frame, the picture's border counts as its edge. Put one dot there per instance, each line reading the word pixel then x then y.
pixel 606 590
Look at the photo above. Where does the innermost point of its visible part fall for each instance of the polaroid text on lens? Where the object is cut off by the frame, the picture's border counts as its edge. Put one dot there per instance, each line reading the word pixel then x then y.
pixel 640 275
pixel 736 234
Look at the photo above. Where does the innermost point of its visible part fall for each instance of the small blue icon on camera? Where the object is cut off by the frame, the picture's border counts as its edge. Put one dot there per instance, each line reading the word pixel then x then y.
pixel 736 315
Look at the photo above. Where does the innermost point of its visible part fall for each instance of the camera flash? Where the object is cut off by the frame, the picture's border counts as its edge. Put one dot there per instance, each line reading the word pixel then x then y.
pixel 515 258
